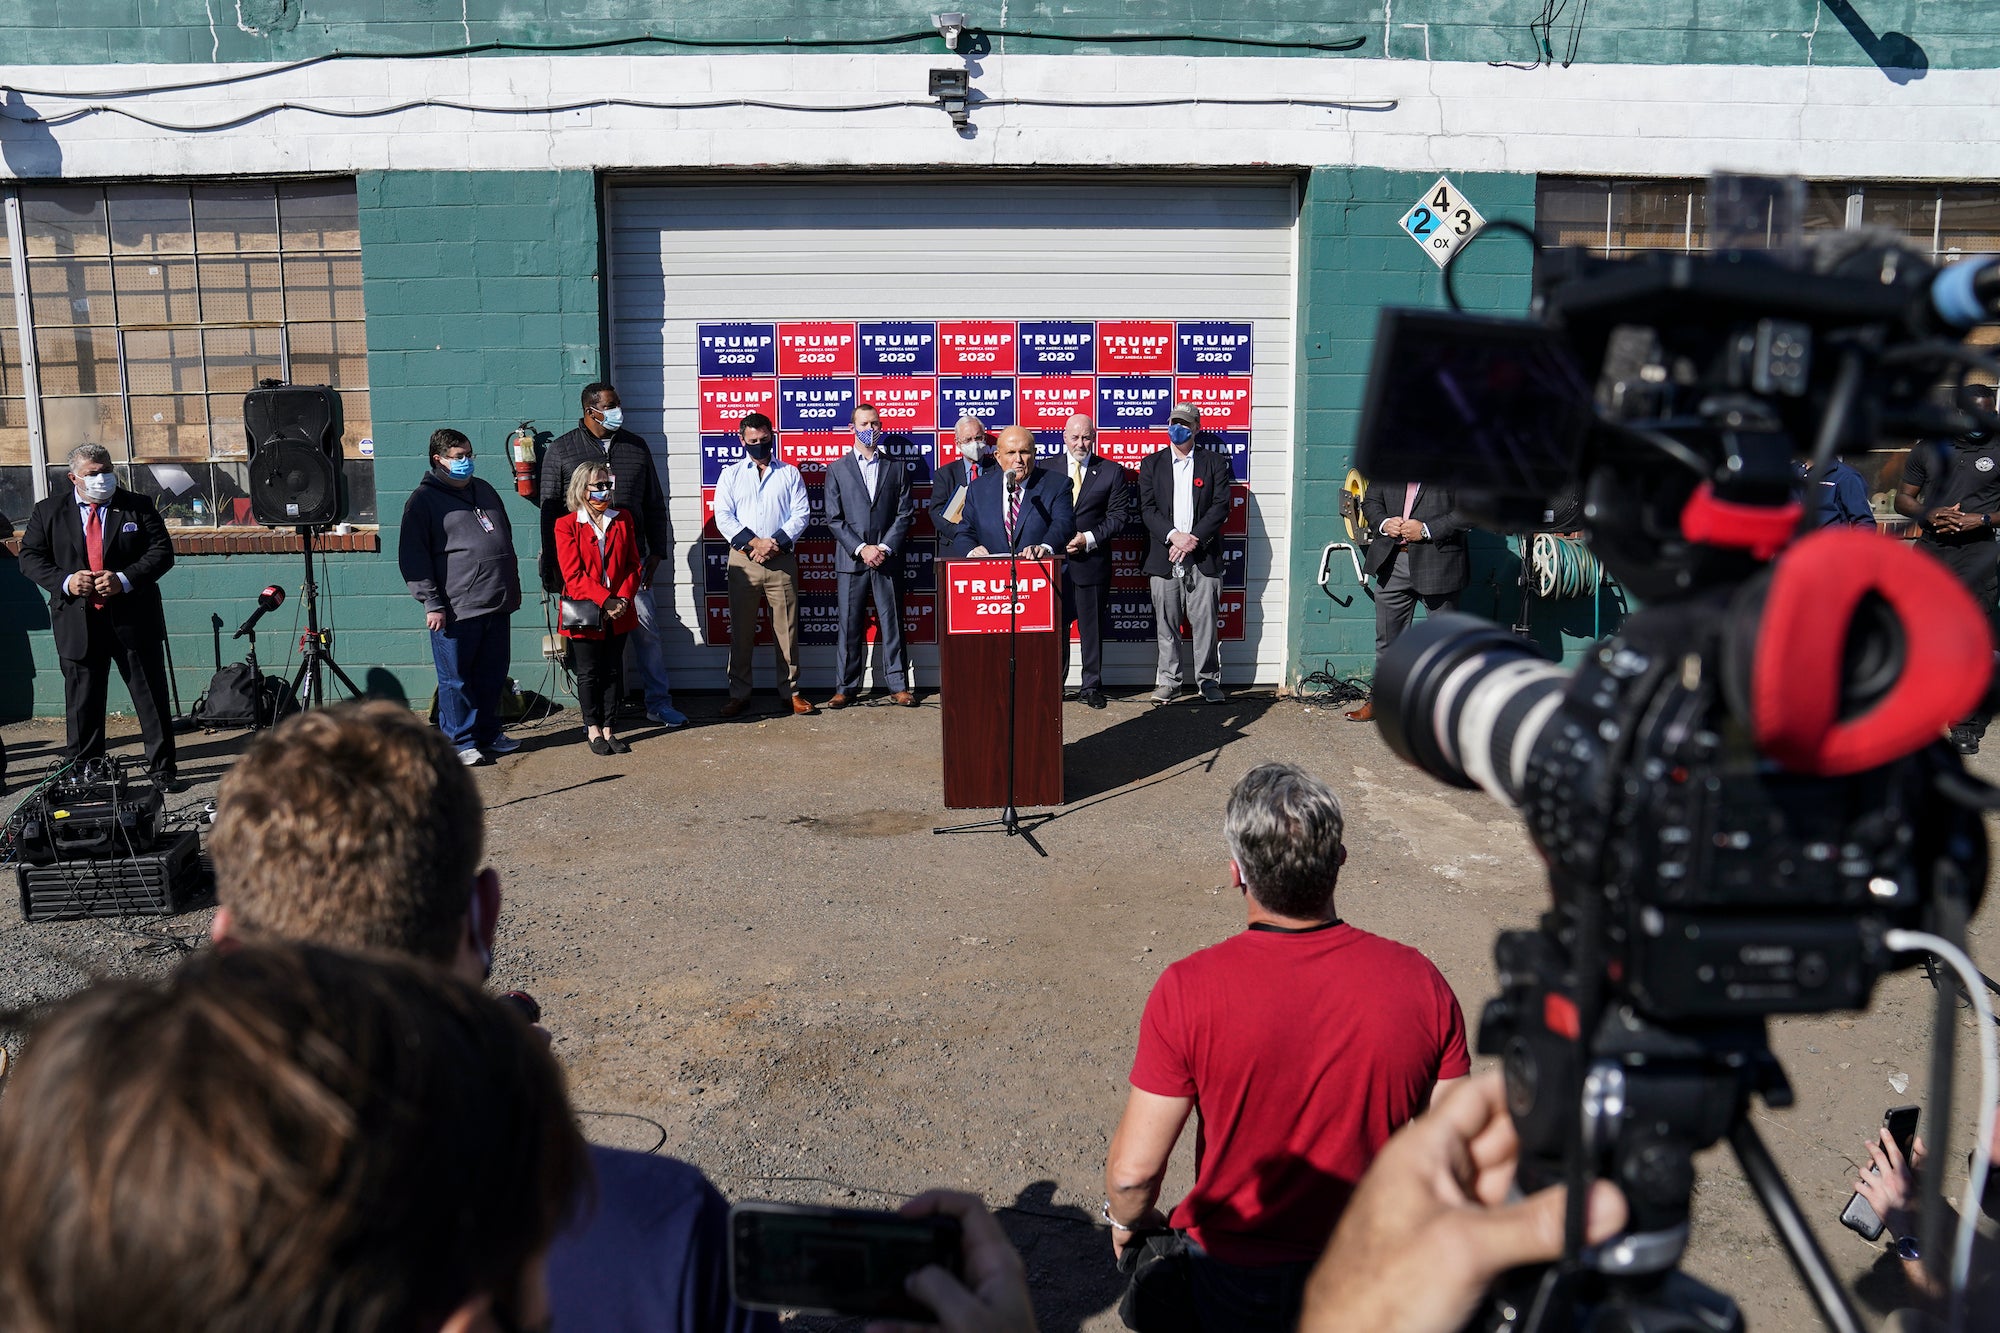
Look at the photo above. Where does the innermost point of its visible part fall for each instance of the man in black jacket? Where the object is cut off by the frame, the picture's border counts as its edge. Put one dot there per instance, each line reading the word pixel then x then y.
pixel 869 509
pixel 601 437
pixel 1418 555
pixel 1184 501
pixel 1101 494
pixel 99 551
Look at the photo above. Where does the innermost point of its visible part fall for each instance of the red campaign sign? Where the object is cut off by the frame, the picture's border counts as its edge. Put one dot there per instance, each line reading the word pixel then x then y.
pixel 815 348
pixel 715 620
pixel 1128 564
pixel 1135 346
pixel 816 568
pixel 724 403
pixel 919 619
pixel 982 598
pixel 980 347
pixel 1224 400
pixel 1238 522
pixel 921 527
pixel 708 514
pixel 811 451
pixel 905 403
pixel 1228 619
pixel 1047 402
pixel 1130 447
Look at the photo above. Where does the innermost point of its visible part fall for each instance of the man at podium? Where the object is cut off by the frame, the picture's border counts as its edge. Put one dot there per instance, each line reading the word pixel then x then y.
pixel 1016 508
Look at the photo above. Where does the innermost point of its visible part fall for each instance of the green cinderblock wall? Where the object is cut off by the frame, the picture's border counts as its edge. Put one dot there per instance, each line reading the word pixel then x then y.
pixel 1750 32
pixel 481 293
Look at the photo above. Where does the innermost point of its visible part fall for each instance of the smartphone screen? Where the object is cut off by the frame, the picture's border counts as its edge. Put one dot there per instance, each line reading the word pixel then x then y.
pixel 1901 1122
pixel 840 1261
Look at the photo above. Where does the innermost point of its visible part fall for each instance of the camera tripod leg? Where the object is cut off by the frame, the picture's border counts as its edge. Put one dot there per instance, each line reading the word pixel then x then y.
pixel 1791 1226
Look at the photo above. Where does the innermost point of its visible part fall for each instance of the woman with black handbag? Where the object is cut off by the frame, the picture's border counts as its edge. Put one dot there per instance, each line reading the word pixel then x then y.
pixel 598 552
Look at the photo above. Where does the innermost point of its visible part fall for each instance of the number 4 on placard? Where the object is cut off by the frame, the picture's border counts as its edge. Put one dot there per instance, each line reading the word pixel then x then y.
pixel 1442 221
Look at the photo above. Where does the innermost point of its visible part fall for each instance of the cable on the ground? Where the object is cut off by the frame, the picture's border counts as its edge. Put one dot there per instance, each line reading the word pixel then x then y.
pixel 1323 689
pixel 659 1128
pixel 700 44
pixel 1910 941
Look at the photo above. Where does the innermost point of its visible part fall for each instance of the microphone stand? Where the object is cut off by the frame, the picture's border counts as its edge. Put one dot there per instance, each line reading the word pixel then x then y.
pixel 1009 821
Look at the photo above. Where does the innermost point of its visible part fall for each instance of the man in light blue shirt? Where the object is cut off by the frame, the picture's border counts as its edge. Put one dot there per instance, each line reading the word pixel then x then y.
pixel 761 510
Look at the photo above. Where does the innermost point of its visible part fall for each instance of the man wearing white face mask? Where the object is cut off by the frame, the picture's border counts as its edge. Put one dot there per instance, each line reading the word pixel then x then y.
pixel 99 550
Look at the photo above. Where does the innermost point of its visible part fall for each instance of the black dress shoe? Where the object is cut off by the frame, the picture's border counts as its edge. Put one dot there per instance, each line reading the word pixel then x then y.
pixel 1965 740
pixel 1092 698
pixel 598 745
pixel 617 746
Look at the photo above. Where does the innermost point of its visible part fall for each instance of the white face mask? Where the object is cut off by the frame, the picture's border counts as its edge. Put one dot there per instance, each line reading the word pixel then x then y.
pixel 971 450
pixel 98 486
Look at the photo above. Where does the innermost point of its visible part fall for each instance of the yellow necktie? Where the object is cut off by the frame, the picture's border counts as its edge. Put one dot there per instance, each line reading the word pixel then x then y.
pixel 1075 481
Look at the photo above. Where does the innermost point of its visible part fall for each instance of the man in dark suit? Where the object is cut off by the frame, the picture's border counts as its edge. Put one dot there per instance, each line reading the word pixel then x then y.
pixel 1016 507
pixel 99 550
pixel 1102 496
pixel 1418 555
pixel 1184 500
pixel 975 458
pixel 868 507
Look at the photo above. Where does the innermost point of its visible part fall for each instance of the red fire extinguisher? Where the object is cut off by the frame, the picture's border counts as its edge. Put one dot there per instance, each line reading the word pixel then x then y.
pixel 521 447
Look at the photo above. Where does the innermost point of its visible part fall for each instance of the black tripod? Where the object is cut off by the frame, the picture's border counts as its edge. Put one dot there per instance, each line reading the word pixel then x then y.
pixel 1009 821
pixel 316 644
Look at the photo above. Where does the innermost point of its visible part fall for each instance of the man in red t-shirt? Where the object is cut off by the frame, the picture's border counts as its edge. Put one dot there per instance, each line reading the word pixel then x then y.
pixel 1303 1042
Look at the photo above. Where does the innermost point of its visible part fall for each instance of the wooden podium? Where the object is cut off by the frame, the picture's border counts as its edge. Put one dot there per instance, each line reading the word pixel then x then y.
pixel 981 603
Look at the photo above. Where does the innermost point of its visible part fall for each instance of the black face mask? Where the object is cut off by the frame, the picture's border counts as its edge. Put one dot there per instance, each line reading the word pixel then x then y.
pixel 759 451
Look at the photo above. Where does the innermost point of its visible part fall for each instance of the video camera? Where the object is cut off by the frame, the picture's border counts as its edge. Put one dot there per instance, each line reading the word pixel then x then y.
pixel 1743 792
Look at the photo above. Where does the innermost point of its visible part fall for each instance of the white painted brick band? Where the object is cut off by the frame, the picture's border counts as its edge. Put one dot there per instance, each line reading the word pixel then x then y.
pixel 1659 120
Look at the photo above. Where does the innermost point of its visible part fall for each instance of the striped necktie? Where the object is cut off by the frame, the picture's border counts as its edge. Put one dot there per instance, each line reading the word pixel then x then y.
pixel 1013 510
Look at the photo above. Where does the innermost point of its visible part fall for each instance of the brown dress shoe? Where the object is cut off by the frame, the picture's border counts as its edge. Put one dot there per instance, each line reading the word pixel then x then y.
pixel 1365 713
pixel 803 706
pixel 735 707
pixel 905 698
pixel 837 701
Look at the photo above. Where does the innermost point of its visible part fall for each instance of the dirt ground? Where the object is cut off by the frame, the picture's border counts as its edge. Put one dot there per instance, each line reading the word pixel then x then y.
pixel 754 952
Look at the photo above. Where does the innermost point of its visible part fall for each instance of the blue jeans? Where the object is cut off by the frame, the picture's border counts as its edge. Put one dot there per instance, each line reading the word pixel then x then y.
pixel 471 657
pixel 649 656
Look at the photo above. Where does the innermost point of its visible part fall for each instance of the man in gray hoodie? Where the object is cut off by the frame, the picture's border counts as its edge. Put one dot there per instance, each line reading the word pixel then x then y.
pixel 457 555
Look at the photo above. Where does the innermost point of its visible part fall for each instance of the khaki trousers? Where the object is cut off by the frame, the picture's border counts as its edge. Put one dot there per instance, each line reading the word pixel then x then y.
pixel 750 583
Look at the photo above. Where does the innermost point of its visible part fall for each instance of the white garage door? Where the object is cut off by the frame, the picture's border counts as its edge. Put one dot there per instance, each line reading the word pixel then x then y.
pixel 944 248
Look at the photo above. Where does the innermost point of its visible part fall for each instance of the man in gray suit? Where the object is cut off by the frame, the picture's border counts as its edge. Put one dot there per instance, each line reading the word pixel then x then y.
pixel 868 507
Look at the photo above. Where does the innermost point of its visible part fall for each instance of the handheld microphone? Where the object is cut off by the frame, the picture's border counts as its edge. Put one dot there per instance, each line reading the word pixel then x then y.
pixel 270 599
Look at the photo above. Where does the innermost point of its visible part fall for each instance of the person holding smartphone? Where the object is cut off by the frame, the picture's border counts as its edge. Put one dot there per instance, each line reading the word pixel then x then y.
pixel 598 552
pixel 1889 1185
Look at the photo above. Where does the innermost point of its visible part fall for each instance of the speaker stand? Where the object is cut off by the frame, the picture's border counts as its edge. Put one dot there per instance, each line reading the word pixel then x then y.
pixel 316 644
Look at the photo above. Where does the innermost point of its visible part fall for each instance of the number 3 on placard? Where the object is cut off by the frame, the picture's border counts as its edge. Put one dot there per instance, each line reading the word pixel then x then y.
pixel 1422 223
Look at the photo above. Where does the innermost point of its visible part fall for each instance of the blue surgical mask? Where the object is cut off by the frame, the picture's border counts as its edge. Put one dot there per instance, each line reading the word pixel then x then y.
pixel 458 468
pixel 98 487
pixel 614 419
pixel 1180 432
pixel 867 436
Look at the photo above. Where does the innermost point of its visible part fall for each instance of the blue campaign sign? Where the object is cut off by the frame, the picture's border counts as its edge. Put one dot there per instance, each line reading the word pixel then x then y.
pixel 815 404
pixel 1048 444
pixel 988 397
pixel 1129 618
pixel 1058 347
pixel 715 566
pixel 717 453
pixel 1235 562
pixel 737 349
pixel 913 454
pixel 897 349
pixel 1236 445
pixel 919 572
pixel 1134 402
pixel 1212 348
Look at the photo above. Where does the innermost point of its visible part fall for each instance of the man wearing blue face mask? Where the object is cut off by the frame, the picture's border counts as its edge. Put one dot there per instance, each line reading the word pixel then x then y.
pixel 457 555
pixel 99 550
pixel 601 437
pixel 1183 501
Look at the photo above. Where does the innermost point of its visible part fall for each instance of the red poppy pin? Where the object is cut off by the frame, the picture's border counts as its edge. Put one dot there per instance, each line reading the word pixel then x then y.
pixel 1197 481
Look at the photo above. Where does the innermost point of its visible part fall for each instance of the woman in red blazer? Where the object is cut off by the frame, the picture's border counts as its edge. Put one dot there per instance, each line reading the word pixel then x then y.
pixel 599 556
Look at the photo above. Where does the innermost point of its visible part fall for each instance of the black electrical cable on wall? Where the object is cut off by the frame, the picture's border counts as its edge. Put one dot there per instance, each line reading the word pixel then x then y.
pixel 695 44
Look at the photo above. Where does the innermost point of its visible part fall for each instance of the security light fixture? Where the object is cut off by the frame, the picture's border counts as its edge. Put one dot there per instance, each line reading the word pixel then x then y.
pixel 949 26
pixel 951 87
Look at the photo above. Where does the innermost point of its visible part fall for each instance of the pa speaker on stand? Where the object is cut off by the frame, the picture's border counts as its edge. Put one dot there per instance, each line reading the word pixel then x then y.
pixel 296 482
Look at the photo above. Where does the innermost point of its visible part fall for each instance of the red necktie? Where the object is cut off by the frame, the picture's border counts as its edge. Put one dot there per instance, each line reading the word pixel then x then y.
pixel 1013 510
pixel 93 541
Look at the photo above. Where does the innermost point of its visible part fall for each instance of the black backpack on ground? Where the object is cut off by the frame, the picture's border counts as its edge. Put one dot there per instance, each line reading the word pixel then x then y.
pixel 239 695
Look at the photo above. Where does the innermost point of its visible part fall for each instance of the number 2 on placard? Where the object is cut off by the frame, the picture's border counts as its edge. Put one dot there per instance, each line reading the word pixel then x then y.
pixel 1422 223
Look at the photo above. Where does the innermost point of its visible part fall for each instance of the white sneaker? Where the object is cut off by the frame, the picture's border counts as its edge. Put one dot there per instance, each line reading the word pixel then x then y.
pixel 503 744
pixel 471 757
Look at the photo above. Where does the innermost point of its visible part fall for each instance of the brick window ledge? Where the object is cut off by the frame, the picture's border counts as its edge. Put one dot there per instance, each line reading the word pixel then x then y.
pixel 256 541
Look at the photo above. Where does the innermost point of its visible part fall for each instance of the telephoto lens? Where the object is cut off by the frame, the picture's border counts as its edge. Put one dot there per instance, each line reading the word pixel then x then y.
pixel 1465 701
